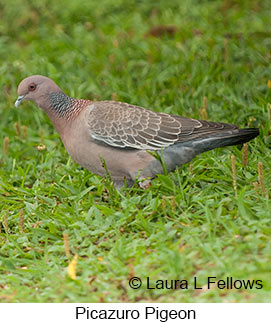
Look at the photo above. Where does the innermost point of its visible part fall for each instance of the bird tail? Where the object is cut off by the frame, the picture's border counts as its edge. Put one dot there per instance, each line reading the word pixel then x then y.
pixel 229 138
pixel 183 152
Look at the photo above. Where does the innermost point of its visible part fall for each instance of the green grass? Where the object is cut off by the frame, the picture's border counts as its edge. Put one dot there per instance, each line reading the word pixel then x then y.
pixel 188 223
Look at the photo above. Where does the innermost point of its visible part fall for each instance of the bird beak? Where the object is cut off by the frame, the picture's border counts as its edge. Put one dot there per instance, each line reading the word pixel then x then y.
pixel 19 100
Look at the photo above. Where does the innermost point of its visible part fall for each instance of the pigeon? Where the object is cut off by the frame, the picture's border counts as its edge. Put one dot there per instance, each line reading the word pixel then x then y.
pixel 127 141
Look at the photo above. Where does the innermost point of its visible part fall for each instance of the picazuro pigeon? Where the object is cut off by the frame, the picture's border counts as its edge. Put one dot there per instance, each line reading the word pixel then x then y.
pixel 124 135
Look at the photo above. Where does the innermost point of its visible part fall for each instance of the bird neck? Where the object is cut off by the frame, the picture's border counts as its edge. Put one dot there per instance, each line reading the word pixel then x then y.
pixel 62 109
pixel 62 105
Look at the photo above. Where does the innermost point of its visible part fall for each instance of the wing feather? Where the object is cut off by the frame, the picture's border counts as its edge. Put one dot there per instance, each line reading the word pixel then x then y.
pixel 127 126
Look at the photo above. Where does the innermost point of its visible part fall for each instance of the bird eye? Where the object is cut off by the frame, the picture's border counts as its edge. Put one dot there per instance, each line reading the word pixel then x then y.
pixel 32 87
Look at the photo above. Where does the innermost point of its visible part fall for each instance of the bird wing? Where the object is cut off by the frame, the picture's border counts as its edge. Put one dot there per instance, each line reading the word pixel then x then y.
pixel 123 125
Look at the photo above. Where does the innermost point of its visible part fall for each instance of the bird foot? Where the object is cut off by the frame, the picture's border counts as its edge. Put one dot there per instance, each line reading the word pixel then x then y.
pixel 145 184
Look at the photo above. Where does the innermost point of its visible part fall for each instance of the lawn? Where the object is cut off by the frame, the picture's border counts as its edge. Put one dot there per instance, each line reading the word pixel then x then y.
pixel 194 58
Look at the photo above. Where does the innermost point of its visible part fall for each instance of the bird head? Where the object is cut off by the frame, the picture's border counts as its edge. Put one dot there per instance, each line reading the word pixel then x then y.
pixel 36 88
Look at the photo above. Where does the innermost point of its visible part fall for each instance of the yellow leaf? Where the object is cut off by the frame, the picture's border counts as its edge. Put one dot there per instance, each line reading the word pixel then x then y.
pixel 72 267
pixel 269 84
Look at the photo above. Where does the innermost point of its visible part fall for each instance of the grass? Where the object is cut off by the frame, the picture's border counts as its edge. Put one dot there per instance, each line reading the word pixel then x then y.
pixel 189 223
